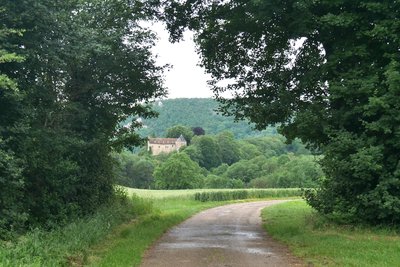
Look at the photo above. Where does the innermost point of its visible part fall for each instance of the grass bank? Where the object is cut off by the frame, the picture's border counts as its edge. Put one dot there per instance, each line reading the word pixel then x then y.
pixel 322 243
pixel 69 245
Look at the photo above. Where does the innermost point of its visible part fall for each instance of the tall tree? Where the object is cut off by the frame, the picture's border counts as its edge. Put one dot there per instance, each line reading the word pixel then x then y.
pixel 12 214
pixel 88 66
pixel 134 171
pixel 198 131
pixel 229 148
pixel 328 71
pixel 178 172
pixel 209 151
pixel 243 170
pixel 178 130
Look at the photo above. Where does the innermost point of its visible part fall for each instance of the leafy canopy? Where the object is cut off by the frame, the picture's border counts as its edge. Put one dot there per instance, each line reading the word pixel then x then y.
pixel 178 172
pixel 178 130
pixel 87 67
pixel 327 71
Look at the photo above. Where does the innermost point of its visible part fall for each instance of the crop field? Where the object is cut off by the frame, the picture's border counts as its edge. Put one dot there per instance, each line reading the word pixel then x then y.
pixel 190 193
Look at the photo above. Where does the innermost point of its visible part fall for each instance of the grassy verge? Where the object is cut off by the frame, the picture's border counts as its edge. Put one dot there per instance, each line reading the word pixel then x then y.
pixel 68 245
pixel 325 244
pixel 127 244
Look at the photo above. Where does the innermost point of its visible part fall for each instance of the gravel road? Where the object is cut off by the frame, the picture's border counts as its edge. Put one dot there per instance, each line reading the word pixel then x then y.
pixel 226 236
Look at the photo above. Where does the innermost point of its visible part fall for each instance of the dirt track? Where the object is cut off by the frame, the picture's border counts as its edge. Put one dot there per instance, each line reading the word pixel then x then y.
pixel 224 236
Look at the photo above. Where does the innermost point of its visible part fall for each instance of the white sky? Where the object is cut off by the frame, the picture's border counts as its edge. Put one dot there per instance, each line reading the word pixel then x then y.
pixel 185 79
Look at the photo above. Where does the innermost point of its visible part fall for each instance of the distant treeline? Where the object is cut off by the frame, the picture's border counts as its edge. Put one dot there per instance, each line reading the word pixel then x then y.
pixel 221 161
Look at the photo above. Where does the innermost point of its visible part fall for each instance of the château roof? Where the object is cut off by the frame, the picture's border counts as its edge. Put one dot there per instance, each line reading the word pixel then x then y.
pixel 167 141
pixel 181 139
pixel 163 141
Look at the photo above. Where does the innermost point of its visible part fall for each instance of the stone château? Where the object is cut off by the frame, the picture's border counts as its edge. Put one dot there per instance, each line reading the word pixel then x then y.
pixel 165 145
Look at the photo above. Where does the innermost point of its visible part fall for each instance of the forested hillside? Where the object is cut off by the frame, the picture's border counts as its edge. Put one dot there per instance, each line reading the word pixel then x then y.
pixel 196 112
pixel 220 161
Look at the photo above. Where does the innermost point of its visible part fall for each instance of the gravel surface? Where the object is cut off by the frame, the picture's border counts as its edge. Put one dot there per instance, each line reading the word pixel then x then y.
pixel 226 236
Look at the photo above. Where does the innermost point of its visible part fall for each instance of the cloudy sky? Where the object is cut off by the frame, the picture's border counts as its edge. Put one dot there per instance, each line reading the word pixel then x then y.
pixel 185 79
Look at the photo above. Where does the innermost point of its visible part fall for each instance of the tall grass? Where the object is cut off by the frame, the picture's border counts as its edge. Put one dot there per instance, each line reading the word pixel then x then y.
pixel 68 245
pixel 246 194
pixel 161 194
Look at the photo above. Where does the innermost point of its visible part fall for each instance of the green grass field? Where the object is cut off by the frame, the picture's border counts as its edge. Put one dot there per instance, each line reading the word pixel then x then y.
pixel 158 194
pixel 322 243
